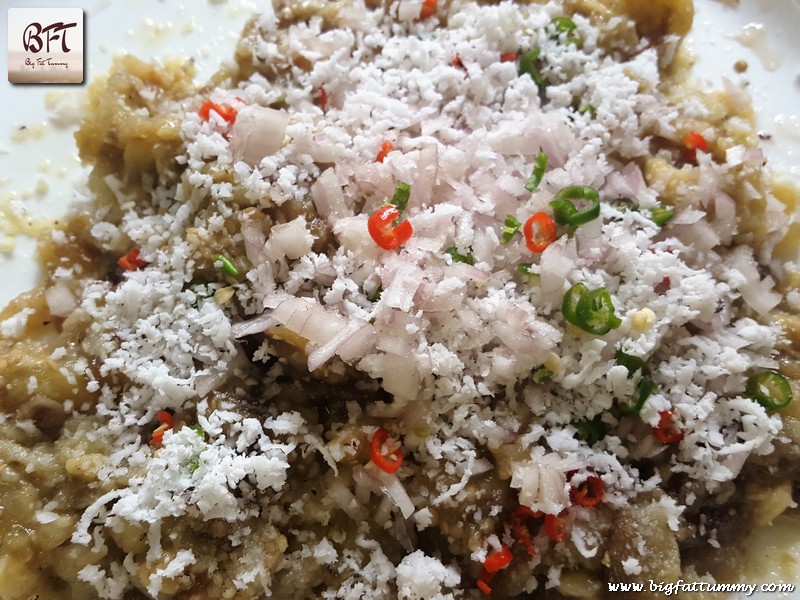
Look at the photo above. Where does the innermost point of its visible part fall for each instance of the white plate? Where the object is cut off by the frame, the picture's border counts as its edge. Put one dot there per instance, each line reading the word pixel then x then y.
pixel 41 173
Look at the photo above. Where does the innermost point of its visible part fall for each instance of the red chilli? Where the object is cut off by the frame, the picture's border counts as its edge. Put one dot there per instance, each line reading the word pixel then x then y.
pixel 693 142
pixel 323 99
pixel 495 562
pixel 540 232
pixel 588 493
pixel 428 9
pixel 131 261
pixel 384 233
pixel 508 57
pixel 554 526
pixel 519 527
pixel 226 111
pixel 166 421
pixel 667 431
pixel 386 147
pixel 389 463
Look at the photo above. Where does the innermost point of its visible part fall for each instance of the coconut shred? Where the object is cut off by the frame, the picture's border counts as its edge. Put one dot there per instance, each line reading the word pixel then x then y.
pixel 412 300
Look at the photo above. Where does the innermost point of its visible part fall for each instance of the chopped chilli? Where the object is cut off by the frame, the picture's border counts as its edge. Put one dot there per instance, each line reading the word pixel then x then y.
pixel 386 462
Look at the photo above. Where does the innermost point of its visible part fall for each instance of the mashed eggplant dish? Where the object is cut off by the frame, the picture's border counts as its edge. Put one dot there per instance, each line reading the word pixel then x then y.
pixel 414 300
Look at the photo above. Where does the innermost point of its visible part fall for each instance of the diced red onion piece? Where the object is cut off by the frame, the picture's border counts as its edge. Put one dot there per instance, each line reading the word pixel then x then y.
pixel 307 318
pixel 740 99
pixel 258 132
pixel 326 351
pixel 358 344
pixel 409 10
pixel 558 259
pixel 254 242
pixel 754 157
pixel 688 217
pixel 393 488
pixel 467 272
pixel 724 216
pixel 365 484
pixel 256 325
pixel 758 293
pixel 207 381
pixel 344 499
pixel 292 239
pixel 328 198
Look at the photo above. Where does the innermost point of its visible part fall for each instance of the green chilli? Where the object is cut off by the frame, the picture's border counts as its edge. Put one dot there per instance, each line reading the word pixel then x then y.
pixel 539 168
pixel 566 213
pixel 590 310
pixel 771 390
pixel 510 228
pixel 226 265
pixel 402 192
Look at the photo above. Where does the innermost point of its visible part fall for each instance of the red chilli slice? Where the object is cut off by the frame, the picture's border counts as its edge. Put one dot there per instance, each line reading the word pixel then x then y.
pixel 540 232
pixel 667 431
pixel 588 493
pixel 386 147
pixel 428 9
pixel 389 463
pixel 131 261
pixel 519 527
pixel 226 111
pixel 483 583
pixel 384 233
pixel 323 99
pixel 498 560
pixel 554 526
pixel 693 142
pixel 166 421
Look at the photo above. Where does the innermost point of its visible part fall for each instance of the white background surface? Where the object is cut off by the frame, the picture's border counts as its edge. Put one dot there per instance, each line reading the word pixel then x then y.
pixel 208 31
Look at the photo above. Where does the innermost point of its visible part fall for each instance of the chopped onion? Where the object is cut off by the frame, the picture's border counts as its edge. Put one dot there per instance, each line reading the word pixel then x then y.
pixel 724 216
pixel 326 351
pixel 467 272
pixel 258 132
pixel 256 325
pixel 307 318
pixel 344 499
pixel 393 488
pixel 328 198
pixel 699 235
pixel 207 381
pixel 254 242
pixel 688 217
pixel 734 155
pixel 754 157
pixel 409 10
pixel 358 344
pixel 542 482
pixel 557 261
pixel 365 485
pixel 355 16
pixel 292 239
pixel 740 99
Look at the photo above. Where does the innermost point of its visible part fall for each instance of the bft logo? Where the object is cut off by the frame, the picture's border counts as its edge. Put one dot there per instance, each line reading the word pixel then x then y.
pixel 32 36
pixel 45 45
